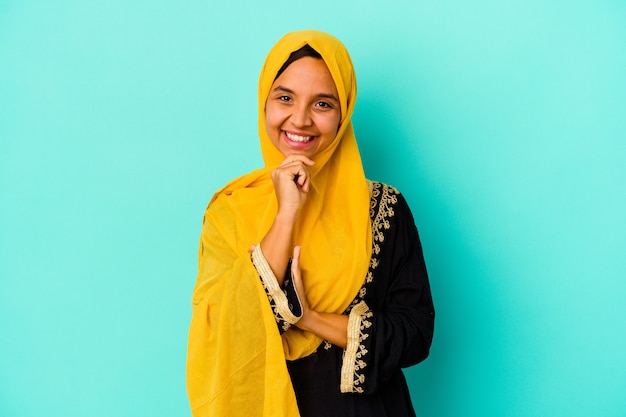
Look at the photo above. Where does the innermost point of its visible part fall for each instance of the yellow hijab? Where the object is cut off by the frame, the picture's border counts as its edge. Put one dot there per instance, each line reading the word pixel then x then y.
pixel 235 357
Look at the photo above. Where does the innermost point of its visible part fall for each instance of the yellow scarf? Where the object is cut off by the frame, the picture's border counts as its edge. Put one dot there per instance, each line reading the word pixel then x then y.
pixel 236 363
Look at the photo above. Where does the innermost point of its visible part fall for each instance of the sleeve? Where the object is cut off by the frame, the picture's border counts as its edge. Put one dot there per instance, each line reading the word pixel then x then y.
pixel 396 330
pixel 284 301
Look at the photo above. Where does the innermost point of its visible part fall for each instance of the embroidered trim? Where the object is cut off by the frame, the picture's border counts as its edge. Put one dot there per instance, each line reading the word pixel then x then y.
pixel 383 198
pixel 274 292
pixel 354 350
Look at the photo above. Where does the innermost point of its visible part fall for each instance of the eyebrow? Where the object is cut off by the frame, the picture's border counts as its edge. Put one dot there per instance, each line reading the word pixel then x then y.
pixel 321 95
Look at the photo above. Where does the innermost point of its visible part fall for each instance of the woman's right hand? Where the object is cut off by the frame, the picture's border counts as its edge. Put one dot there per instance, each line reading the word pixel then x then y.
pixel 292 182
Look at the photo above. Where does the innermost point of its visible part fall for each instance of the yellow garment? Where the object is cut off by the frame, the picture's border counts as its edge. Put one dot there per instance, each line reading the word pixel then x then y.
pixel 236 357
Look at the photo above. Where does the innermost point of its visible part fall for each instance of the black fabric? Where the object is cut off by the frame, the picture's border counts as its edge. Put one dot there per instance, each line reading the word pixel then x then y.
pixel 398 330
pixel 289 288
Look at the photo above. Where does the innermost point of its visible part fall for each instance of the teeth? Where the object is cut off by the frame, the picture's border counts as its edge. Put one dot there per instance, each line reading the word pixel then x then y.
pixel 298 138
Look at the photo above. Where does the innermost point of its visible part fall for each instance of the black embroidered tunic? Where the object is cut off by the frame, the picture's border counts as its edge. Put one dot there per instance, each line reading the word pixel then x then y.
pixel 390 327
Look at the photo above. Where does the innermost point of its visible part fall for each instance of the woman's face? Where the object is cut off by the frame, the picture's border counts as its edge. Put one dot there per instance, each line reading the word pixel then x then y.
pixel 302 112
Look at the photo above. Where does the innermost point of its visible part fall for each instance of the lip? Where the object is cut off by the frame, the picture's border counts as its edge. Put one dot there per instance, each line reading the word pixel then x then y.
pixel 298 145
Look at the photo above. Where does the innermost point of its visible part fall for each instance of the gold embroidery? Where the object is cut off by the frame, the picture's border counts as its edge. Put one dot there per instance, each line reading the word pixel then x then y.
pixel 380 222
pixel 352 370
pixel 354 349
pixel 274 292
pixel 359 377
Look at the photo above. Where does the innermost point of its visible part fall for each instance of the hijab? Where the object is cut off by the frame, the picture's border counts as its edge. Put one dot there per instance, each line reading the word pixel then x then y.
pixel 333 230
pixel 334 227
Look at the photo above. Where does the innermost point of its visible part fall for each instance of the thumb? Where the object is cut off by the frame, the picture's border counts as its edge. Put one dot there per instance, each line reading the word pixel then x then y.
pixel 295 260
pixel 295 263
pixel 296 274
pixel 295 269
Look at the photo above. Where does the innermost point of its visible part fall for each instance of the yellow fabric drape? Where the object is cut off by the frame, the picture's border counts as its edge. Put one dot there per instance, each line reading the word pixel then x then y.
pixel 236 357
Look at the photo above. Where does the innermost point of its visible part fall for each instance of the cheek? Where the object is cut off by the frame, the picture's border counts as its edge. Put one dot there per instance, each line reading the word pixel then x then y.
pixel 331 124
pixel 272 126
pixel 272 118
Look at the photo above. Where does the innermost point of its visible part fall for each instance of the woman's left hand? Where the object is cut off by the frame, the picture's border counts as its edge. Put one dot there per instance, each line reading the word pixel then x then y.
pixel 329 326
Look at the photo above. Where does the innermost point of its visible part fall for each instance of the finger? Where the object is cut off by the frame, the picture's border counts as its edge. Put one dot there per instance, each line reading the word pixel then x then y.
pixel 297 158
pixel 302 178
pixel 294 169
pixel 305 184
pixel 290 159
pixel 295 267
pixel 295 261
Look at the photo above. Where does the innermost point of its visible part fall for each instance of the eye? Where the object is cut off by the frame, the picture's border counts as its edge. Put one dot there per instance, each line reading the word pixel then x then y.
pixel 284 98
pixel 324 105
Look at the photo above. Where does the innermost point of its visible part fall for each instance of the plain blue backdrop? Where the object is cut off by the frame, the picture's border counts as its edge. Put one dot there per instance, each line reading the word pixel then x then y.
pixel 501 122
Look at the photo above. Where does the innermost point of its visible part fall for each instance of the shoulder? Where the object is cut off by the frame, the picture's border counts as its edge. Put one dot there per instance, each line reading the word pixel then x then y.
pixel 386 201
pixel 392 220
pixel 381 193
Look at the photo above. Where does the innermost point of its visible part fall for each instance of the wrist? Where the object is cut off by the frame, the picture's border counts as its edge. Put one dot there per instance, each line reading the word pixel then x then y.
pixel 286 217
pixel 281 231
pixel 307 322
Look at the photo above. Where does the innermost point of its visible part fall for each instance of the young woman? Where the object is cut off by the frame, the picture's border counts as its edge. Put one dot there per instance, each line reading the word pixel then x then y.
pixel 312 292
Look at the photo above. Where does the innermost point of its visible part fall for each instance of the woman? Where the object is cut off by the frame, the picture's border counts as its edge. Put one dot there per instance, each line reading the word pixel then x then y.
pixel 312 292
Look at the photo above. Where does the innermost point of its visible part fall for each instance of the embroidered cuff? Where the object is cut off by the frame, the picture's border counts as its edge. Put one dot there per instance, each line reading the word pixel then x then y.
pixel 286 302
pixel 351 370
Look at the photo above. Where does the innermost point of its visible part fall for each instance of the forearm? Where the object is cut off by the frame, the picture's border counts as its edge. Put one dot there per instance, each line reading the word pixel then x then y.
pixel 278 244
pixel 329 326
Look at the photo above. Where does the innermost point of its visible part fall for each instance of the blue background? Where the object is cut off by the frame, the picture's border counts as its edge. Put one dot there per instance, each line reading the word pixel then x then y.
pixel 502 123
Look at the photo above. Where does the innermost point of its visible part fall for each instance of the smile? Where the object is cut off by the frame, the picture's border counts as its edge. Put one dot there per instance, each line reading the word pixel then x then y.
pixel 298 138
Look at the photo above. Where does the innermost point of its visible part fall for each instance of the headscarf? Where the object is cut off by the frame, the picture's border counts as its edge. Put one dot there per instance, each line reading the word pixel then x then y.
pixel 233 335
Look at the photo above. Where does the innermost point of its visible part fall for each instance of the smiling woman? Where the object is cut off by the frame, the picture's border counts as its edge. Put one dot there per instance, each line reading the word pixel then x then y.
pixel 312 292
pixel 302 112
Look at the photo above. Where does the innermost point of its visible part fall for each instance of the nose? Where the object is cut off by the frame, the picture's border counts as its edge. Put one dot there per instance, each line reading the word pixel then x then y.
pixel 301 116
